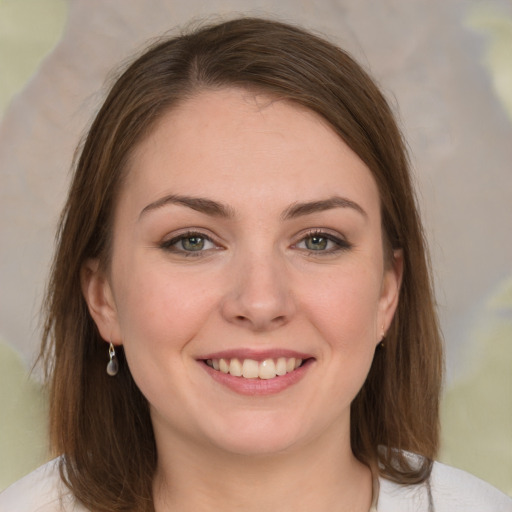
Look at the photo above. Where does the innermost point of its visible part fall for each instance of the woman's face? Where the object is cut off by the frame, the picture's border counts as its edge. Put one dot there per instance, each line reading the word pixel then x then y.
pixel 246 242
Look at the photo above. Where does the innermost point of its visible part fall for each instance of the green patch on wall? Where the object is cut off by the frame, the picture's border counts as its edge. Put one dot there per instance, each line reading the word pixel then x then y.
pixel 497 28
pixel 29 29
pixel 477 410
pixel 23 429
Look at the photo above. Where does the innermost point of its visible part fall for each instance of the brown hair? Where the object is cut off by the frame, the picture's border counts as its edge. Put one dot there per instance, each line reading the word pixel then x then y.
pixel 101 425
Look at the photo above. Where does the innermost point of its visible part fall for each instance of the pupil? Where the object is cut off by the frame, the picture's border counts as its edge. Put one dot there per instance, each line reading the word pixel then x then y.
pixel 316 243
pixel 193 243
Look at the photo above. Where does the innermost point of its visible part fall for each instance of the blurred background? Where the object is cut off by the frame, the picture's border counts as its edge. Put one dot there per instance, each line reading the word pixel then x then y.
pixel 446 68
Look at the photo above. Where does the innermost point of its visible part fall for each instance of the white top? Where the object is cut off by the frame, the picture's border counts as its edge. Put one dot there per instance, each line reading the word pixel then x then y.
pixel 452 490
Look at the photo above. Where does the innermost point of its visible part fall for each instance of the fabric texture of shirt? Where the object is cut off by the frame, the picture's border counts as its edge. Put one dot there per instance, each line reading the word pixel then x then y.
pixel 448 490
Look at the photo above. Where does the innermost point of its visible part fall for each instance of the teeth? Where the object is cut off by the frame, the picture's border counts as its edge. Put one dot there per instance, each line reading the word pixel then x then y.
pixel 252 369
pixel 267 369
pixel 281 366
pixel 235 368
pixel 223 366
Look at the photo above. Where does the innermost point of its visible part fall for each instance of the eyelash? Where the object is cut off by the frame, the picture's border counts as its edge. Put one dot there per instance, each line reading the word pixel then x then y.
pixel 168 244
pixel 340 244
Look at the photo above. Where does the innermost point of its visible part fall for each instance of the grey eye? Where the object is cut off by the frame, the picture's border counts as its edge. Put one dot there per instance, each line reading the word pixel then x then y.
pixel 189 243
pixel 193 243
pixel 322 243
pixel 316 243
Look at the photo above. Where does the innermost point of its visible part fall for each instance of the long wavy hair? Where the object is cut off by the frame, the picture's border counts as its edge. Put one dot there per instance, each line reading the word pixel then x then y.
pixel 101 426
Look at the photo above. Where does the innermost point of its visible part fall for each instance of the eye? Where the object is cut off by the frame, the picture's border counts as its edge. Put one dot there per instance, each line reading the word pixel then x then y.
pixel 319 242
pixel 189 243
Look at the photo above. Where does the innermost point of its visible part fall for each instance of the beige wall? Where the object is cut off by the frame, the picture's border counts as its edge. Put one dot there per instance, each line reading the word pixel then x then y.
pixel 446 65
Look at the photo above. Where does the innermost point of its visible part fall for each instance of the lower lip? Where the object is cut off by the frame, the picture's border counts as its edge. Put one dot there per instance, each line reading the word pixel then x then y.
pixel 253 387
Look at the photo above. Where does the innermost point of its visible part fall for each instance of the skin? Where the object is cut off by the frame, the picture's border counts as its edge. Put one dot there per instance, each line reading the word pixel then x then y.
pixel 255 285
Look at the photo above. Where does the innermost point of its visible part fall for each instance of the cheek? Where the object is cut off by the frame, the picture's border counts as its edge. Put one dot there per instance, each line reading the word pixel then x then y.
pixel 159 314
pixel 346 317
pixel 345 308
pixel 161 310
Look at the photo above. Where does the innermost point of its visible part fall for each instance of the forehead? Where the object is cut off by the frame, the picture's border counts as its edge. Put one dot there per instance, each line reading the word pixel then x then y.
pixel 232 141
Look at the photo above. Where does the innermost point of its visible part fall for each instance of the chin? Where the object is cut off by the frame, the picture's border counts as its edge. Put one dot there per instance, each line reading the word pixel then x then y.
pixel 254 446
pixel 257 436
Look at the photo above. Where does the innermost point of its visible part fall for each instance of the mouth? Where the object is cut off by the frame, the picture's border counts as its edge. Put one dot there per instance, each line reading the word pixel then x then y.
pixel 266 369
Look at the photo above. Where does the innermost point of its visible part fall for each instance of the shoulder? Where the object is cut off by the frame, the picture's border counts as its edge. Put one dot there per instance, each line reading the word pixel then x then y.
pixel 449 490
pixel 457 490
pixel 40 491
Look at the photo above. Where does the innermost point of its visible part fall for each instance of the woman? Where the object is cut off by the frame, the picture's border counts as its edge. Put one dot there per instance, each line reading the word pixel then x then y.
pixel 240 314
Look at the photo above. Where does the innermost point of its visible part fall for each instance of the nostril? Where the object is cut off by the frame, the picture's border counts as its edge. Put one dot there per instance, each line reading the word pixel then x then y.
pixel 277 319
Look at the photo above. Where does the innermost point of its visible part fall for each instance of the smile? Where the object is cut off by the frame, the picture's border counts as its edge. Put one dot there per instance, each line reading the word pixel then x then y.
pixel 251 369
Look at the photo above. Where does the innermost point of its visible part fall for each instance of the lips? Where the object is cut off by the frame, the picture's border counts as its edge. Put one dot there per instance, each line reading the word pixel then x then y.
pixel 255 372
pixel 248 368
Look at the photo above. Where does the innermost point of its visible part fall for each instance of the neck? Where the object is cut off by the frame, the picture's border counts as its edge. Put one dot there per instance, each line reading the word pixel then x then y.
pixel 314 476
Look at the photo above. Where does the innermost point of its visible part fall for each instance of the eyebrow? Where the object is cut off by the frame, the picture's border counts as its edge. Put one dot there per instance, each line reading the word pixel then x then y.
pixel 307 208
pixel 216 209
pixel 200 204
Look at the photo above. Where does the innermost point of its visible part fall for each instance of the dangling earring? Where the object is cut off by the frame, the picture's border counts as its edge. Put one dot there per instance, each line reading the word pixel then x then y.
pixel 113 365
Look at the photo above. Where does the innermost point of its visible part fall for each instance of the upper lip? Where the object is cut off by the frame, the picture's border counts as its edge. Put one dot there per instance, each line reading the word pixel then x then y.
pixel 255 354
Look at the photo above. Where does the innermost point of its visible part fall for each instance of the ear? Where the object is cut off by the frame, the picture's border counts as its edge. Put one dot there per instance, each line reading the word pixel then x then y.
pixel 390 292
pixel 98 294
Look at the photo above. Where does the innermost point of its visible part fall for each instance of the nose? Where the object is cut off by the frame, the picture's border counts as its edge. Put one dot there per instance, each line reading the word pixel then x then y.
pixel 259 294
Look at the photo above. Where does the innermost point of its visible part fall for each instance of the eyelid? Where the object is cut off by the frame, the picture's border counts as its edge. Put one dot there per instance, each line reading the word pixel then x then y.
pixel 168 243
pixel 342 244
pixel 340 240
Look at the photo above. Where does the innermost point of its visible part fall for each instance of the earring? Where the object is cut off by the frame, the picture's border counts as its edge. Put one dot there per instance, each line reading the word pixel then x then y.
pixel 382 336
pixel 113 365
